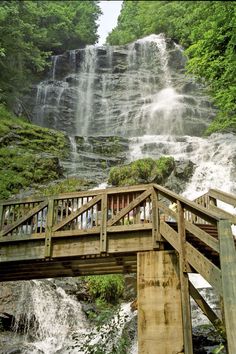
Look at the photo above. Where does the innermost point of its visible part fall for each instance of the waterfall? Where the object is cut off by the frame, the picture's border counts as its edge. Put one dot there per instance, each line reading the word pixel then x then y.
pixel 131 90
pixel 139 91
pixel 55 322
pixel 54 65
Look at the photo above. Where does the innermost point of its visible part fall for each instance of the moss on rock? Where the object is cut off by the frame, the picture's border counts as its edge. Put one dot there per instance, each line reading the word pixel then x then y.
pixel 29 154
pixel 142 171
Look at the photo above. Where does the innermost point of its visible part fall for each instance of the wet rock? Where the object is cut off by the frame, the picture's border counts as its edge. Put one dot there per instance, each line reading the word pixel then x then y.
pixel 184 169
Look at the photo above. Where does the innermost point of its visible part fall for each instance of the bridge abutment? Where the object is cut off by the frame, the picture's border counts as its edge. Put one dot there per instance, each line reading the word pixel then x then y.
pixel 160 328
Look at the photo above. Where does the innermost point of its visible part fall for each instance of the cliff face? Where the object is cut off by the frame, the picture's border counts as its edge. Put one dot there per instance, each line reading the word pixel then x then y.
pixel 130 90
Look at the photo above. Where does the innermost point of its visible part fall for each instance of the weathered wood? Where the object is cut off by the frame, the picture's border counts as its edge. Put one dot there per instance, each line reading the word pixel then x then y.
pixel 156 236
pixel 103 232
pixel 206 309
pixel 159 317
pixel 130 207
pixel 24 218
pixel 223 214
pixel 105 248
pixel 170 235
pixel 48 231
pixel 1 211
pixel 22 201
pixel 203 236
pixel 188 205
pixel 228 271
pixel 185 300
pixel 21 238
pixel 223 196
pixel 203 266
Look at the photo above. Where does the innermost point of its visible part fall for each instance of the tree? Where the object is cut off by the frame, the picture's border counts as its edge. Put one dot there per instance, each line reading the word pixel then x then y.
pixel 33 30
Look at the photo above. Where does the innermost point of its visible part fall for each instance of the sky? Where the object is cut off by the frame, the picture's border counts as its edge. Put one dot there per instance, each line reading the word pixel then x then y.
pixel 108 20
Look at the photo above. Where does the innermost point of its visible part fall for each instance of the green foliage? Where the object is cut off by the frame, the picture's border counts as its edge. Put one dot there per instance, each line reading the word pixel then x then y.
pixel 206 29
pixel 106 288
pixel 33 30
pixel 142 171
pixel 28 154
pixel 219 349
pixel 71 184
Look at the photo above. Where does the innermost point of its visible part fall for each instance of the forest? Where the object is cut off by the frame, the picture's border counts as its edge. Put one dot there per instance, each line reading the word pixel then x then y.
pixel 33 31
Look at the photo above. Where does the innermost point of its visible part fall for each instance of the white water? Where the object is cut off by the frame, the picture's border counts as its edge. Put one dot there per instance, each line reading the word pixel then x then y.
pixel 84 112
pixel 60 325
pixel 212 157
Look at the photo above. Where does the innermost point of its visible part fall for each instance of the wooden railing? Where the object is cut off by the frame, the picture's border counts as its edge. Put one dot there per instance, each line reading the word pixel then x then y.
pixel 221 202
pixel 119 222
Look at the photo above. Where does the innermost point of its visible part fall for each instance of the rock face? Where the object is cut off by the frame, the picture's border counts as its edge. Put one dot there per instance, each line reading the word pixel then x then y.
pixel 92 157
pixel 129 90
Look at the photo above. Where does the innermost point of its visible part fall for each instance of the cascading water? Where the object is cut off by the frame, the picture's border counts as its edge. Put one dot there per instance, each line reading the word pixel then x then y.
pixel 54 322
pixel 128 90
pixel 139 91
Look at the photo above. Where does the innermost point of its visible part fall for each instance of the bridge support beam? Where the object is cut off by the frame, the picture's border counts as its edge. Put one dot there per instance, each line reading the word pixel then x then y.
pixel 160 328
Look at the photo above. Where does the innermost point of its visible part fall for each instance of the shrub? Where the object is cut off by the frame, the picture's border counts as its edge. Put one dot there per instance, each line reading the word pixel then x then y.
pixel 142 171
pixel 107 288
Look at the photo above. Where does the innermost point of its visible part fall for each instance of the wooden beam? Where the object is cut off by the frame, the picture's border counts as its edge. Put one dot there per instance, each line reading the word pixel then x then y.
pixel 228 271
pixel 223 214
pixel 223 196
pixel 48 231
pixel 170 235
pixel 185 299
pixel 156 236
pixel 203 266
pixel 206 309
pixel 159 303
pixel 22 201
pixel 203 236
pixel 103 232
pixel 21 238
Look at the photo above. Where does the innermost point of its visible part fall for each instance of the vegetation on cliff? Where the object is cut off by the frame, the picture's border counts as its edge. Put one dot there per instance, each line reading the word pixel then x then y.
pixel 206 29
pixel 142 171
pixel 28 154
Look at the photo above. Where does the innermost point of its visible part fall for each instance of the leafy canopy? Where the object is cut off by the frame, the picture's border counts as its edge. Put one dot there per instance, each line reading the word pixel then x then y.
pixel 33 30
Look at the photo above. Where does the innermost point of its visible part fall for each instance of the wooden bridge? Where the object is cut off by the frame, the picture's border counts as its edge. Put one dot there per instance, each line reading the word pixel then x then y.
pixel 131 229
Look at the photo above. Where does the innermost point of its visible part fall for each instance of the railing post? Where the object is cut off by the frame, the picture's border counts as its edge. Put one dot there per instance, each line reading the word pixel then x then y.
pixel 156 235
pixel 1 212
pixel 103 232
pixel 185 298
pixel 228 275
pixel 48 231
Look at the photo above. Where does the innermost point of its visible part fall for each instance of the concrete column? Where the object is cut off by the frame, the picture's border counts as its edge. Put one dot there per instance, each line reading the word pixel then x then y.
pixel 160 329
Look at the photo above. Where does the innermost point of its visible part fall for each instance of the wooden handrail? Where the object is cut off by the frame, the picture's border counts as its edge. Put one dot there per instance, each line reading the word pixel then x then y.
pixel 108 223
pixel 223 196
